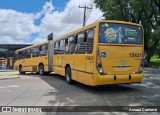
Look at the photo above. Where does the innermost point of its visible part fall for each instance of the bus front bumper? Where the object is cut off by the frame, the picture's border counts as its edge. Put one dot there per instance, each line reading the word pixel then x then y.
pixel 118 79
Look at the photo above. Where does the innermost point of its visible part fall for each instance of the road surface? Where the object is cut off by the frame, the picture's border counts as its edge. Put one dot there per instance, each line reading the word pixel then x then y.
pixel 52 90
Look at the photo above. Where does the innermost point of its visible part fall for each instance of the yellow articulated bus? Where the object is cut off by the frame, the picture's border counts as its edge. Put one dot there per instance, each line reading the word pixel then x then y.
pixel 105 52
pixel 32 59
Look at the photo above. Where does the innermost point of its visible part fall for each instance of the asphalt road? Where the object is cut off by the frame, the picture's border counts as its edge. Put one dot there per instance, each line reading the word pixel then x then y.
pixel 52 90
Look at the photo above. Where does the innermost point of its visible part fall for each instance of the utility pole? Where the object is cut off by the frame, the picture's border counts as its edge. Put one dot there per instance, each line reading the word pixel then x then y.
pixel 84 18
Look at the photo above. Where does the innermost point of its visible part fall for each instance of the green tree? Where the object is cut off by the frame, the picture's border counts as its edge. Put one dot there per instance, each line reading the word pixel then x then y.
pixel 145 12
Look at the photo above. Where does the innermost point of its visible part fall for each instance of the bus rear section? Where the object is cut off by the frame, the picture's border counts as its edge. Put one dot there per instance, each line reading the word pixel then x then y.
pixel 119 55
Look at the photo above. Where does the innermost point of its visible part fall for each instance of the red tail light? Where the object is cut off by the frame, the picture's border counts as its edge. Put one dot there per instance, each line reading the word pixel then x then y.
pixel 141 67
pixel 99 62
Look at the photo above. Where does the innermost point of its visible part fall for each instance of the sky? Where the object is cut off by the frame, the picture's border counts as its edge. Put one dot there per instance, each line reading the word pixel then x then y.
pixel 30 21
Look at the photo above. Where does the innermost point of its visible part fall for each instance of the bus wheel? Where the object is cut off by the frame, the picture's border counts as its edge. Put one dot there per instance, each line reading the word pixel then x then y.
pixel 46 73
pixel 68 75
pixel 21 70
pixel 41 69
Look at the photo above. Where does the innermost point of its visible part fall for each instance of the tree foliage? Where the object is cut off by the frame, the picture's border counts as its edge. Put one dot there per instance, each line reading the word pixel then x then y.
pixel 145 12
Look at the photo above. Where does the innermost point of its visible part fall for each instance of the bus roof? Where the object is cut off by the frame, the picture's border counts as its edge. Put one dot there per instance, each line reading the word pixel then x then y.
pixel 82 29
pixel 32 46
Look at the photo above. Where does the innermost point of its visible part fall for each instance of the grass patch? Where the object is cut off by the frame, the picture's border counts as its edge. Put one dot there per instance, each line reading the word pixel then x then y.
pixel 154 62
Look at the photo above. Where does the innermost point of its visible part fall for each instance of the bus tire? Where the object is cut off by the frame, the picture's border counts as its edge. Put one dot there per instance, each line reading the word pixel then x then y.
pixel 21 70
pixel 47 73
pixel 68 75
pixel 41 69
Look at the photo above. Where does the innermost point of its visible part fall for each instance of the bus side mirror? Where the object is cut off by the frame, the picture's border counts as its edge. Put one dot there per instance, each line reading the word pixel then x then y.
pixel 50 37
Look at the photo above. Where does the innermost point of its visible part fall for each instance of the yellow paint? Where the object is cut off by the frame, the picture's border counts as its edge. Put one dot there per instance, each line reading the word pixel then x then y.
pixel 85 78
pixel 74 75
pixel 109 79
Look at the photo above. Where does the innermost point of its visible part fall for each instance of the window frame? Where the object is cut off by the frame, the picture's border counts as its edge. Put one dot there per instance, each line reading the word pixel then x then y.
pixel 28 52
pixel 64 47
pixel 76 45
pixel 56 49
pixel 41 49
pixel 35 52
pixel 68 44
pixel 93 40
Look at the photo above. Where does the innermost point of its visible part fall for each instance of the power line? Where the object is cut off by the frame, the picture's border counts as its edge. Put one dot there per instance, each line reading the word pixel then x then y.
pixel 89 13
pixel 92 5
pixel 84 18
pixel 104 15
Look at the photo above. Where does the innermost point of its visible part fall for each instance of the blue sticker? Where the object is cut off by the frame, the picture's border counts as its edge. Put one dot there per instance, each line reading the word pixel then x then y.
pixel 103 54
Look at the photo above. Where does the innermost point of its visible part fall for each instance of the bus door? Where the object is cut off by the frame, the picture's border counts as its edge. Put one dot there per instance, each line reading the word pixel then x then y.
pixel 80 50
pixel 89 55
pixel 61 53
pixel 56 57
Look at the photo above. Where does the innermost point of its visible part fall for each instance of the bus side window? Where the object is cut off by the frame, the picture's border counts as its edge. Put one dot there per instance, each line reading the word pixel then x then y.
pixel 23 54
pixel 56 47
pixel 16 56
pixel 43 50
pixel 81 43
pixel 75 42
pixel 19 55
pixel 62 47
pixel 66 45
pixel 90 41
pixel 28 54
pixel 71 45
pixel 35 52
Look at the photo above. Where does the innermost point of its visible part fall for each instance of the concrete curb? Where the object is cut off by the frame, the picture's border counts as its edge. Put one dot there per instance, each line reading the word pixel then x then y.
pixel 4 78
pixel 153 67
pixel 6 70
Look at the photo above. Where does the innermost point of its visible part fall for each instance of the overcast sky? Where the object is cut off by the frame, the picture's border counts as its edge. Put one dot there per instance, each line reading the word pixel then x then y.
pixel 31 21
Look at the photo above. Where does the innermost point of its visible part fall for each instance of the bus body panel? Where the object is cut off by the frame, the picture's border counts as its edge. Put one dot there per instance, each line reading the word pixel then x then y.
pixel 31 64
pixel 89 63
pixel 109 79
pixel 61 71
pixel 55 63
pixel 85 78
pixel 79 62
pixel 74 75
pixel 119 59
pixel 67 60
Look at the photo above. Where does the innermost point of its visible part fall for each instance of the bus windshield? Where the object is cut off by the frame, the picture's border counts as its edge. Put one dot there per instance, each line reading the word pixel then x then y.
pixel 120 33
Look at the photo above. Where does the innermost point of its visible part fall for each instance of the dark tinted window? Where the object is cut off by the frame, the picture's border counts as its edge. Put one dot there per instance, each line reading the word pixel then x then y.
pixel 16 56
pixel 56 47
pixel 19 55
pixel 22 54
pixel 35 52
pixel 43 50
pixel 62 47
pixel 28 53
